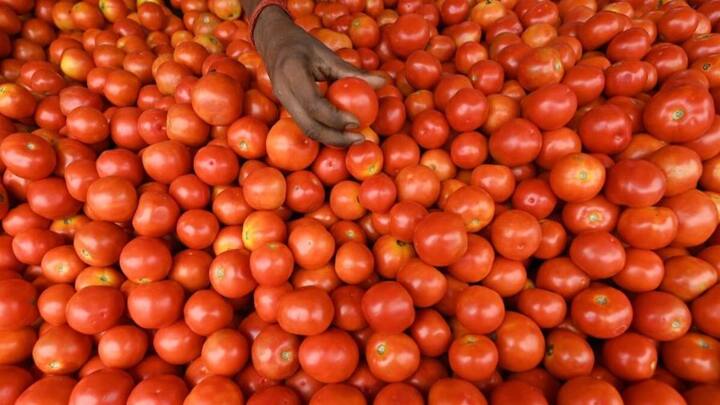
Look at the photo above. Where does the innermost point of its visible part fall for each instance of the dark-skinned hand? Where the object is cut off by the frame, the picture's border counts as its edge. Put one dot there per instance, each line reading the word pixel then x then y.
pixel 295 61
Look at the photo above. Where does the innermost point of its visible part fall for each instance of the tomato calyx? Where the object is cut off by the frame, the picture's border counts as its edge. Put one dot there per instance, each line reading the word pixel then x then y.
pixel 678 114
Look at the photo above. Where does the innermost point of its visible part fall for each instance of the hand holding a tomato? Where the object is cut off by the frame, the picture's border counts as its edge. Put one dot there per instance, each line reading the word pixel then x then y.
pixel 295 61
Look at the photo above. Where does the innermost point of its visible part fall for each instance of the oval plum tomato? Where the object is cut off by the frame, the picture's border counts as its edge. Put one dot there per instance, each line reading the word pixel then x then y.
pixel 356 97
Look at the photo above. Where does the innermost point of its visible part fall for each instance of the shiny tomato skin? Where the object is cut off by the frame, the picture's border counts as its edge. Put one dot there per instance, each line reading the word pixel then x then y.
pixel 115 385
pixel 446 391
pixel 695 215
pixel 602 311
pixel 550 107
pixel 436 230
pixel 693 357
pixel 355 96
pixel 515 143
pixel 329 357
pixel 679 114
pixel 577 177
pixel 516 234
pixel 409 33
pixel 392 357
pixel 635 183
pixel 587 389
pixel 605 129
pixel 306 311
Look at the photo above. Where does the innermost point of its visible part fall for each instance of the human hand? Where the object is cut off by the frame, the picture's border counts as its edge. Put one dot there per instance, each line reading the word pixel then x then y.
pixel 295 61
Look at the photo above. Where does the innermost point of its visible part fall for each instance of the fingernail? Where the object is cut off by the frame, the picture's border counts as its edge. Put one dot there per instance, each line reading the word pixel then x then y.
pixel 352 125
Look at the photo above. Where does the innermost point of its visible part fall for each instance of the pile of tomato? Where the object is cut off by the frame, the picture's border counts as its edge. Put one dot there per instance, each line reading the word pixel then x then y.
pixel 531 219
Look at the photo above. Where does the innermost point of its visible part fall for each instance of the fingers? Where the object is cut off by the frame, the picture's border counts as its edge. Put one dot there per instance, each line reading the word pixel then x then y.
pixel 310 126
pixel 318 107
pixel 332 66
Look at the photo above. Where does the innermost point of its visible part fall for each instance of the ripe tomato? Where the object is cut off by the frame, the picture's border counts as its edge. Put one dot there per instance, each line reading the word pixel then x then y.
pixel 356 97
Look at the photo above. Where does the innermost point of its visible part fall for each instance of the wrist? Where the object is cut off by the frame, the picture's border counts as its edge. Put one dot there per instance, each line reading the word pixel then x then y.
pixel 268 23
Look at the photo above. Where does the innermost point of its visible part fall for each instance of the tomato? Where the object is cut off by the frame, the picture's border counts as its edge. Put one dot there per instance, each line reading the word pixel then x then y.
pixel 312 246
pixel 356 97
pixel 516 234
pixel 446 229
pixel 660 315
pixel 602 311
pixel 168 387
pixel 643 271
pixel 605 129
pixel 392 357
pixel 18 304
pixel 28 155
pixel 645 179
pixel 306 311
pixel 695 216
pixel 651 390
pixel 480 309
pixel 473 357
pixel 409 33
pixel 683 106
pixel 112 385
pixel 388 307
pixel 693 357
pixel 217 92
pixel 687 277
pixel 446 391
pixel 544 307
pixel 214 389
pixel 122 346
pixel 577 177
pixel 51 390
pixel 588 389
pixel 177 344
pixel 61 350
pixel 331 393
pixel 670 158
pixel 329 357
pixel 515 143
pixel 550 107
